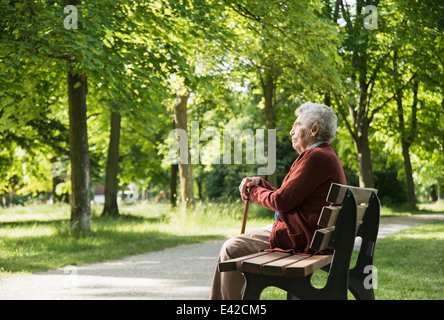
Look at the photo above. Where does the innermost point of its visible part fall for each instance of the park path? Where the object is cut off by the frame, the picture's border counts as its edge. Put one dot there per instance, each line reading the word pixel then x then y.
pixel 183 272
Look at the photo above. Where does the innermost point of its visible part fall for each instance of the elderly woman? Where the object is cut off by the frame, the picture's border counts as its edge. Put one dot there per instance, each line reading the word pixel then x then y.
pixel 298 202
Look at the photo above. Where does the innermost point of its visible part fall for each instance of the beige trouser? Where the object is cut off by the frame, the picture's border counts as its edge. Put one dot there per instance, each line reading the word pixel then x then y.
pixel 229 285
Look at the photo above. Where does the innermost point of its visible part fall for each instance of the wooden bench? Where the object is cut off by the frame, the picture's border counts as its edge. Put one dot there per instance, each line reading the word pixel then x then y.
pixel 353 212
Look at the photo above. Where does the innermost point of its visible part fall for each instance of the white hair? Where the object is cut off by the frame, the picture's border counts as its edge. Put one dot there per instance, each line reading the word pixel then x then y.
pixel 309 113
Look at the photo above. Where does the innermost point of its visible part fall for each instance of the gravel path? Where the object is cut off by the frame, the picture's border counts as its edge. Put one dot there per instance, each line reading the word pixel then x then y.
pixel 182 272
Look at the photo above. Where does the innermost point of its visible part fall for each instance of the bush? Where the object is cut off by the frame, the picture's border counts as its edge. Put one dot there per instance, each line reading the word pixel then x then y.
pixel 391 191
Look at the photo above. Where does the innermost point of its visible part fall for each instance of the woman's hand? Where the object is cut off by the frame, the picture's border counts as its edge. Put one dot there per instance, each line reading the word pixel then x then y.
pixel 246 185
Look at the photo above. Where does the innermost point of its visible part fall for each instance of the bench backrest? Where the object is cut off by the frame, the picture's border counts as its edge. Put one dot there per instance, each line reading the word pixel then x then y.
pixel 329 216
pixel 353 212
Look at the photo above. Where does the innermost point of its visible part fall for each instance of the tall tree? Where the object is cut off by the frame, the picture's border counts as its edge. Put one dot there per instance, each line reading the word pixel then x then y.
pixel 79 150
pixel 416 69
pixel 197 27
pixel 185 168
pixel 363 56
pixel 94 44
pixel 407 138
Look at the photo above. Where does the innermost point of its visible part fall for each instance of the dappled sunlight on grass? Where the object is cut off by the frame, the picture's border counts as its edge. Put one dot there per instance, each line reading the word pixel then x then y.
pixel 35 213
pixel 434 206
pixel 405 210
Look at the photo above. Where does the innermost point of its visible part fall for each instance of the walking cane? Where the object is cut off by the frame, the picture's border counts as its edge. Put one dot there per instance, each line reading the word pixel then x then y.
pixel 244 221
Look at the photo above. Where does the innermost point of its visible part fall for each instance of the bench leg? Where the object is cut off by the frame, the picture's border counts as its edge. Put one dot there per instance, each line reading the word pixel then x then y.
pixel 255 284
pixel 359 283
pixel 253 287
pixel 358 290
pixel 297 288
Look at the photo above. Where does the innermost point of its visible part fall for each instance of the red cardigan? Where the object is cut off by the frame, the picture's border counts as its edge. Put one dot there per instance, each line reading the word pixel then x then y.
pixel 300 198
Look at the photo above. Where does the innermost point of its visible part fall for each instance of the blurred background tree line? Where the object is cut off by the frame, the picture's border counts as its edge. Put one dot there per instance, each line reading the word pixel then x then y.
pixel 90 96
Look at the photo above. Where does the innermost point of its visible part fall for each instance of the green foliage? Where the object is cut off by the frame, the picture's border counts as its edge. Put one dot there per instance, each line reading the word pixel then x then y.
pixel 391 189
pixel 138 55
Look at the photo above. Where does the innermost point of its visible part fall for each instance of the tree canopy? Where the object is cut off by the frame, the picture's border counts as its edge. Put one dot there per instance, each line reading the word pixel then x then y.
pixel 242 65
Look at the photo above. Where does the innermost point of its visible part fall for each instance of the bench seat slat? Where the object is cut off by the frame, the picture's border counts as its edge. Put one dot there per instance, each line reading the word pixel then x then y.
pixel 278 264
pixel 234 264
pixel 307 266
pixel 277 268
pixel 254 265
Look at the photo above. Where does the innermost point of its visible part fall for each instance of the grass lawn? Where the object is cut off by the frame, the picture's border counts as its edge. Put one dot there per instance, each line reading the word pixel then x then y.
pixel 38 238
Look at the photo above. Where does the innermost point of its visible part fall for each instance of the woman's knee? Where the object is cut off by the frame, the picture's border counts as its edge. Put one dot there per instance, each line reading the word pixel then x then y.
pixel 237 247
pixel 231 249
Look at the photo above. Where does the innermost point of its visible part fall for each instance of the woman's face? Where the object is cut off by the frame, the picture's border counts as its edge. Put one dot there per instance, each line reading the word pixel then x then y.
pixel 302 137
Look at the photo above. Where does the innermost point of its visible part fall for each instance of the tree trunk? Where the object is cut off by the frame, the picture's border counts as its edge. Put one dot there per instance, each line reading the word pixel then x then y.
pixel 112 168
pixel 362 149
pixel 360 124
pixel 358 128
pixel 442 106
pixel 173 178
pixel 407 139
pixel 407 136
pixel 360 119
pixel 411 198
pixel 173 184
pixel 79 151
pixel 185 169
pixel 269 89
pixel 199 181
